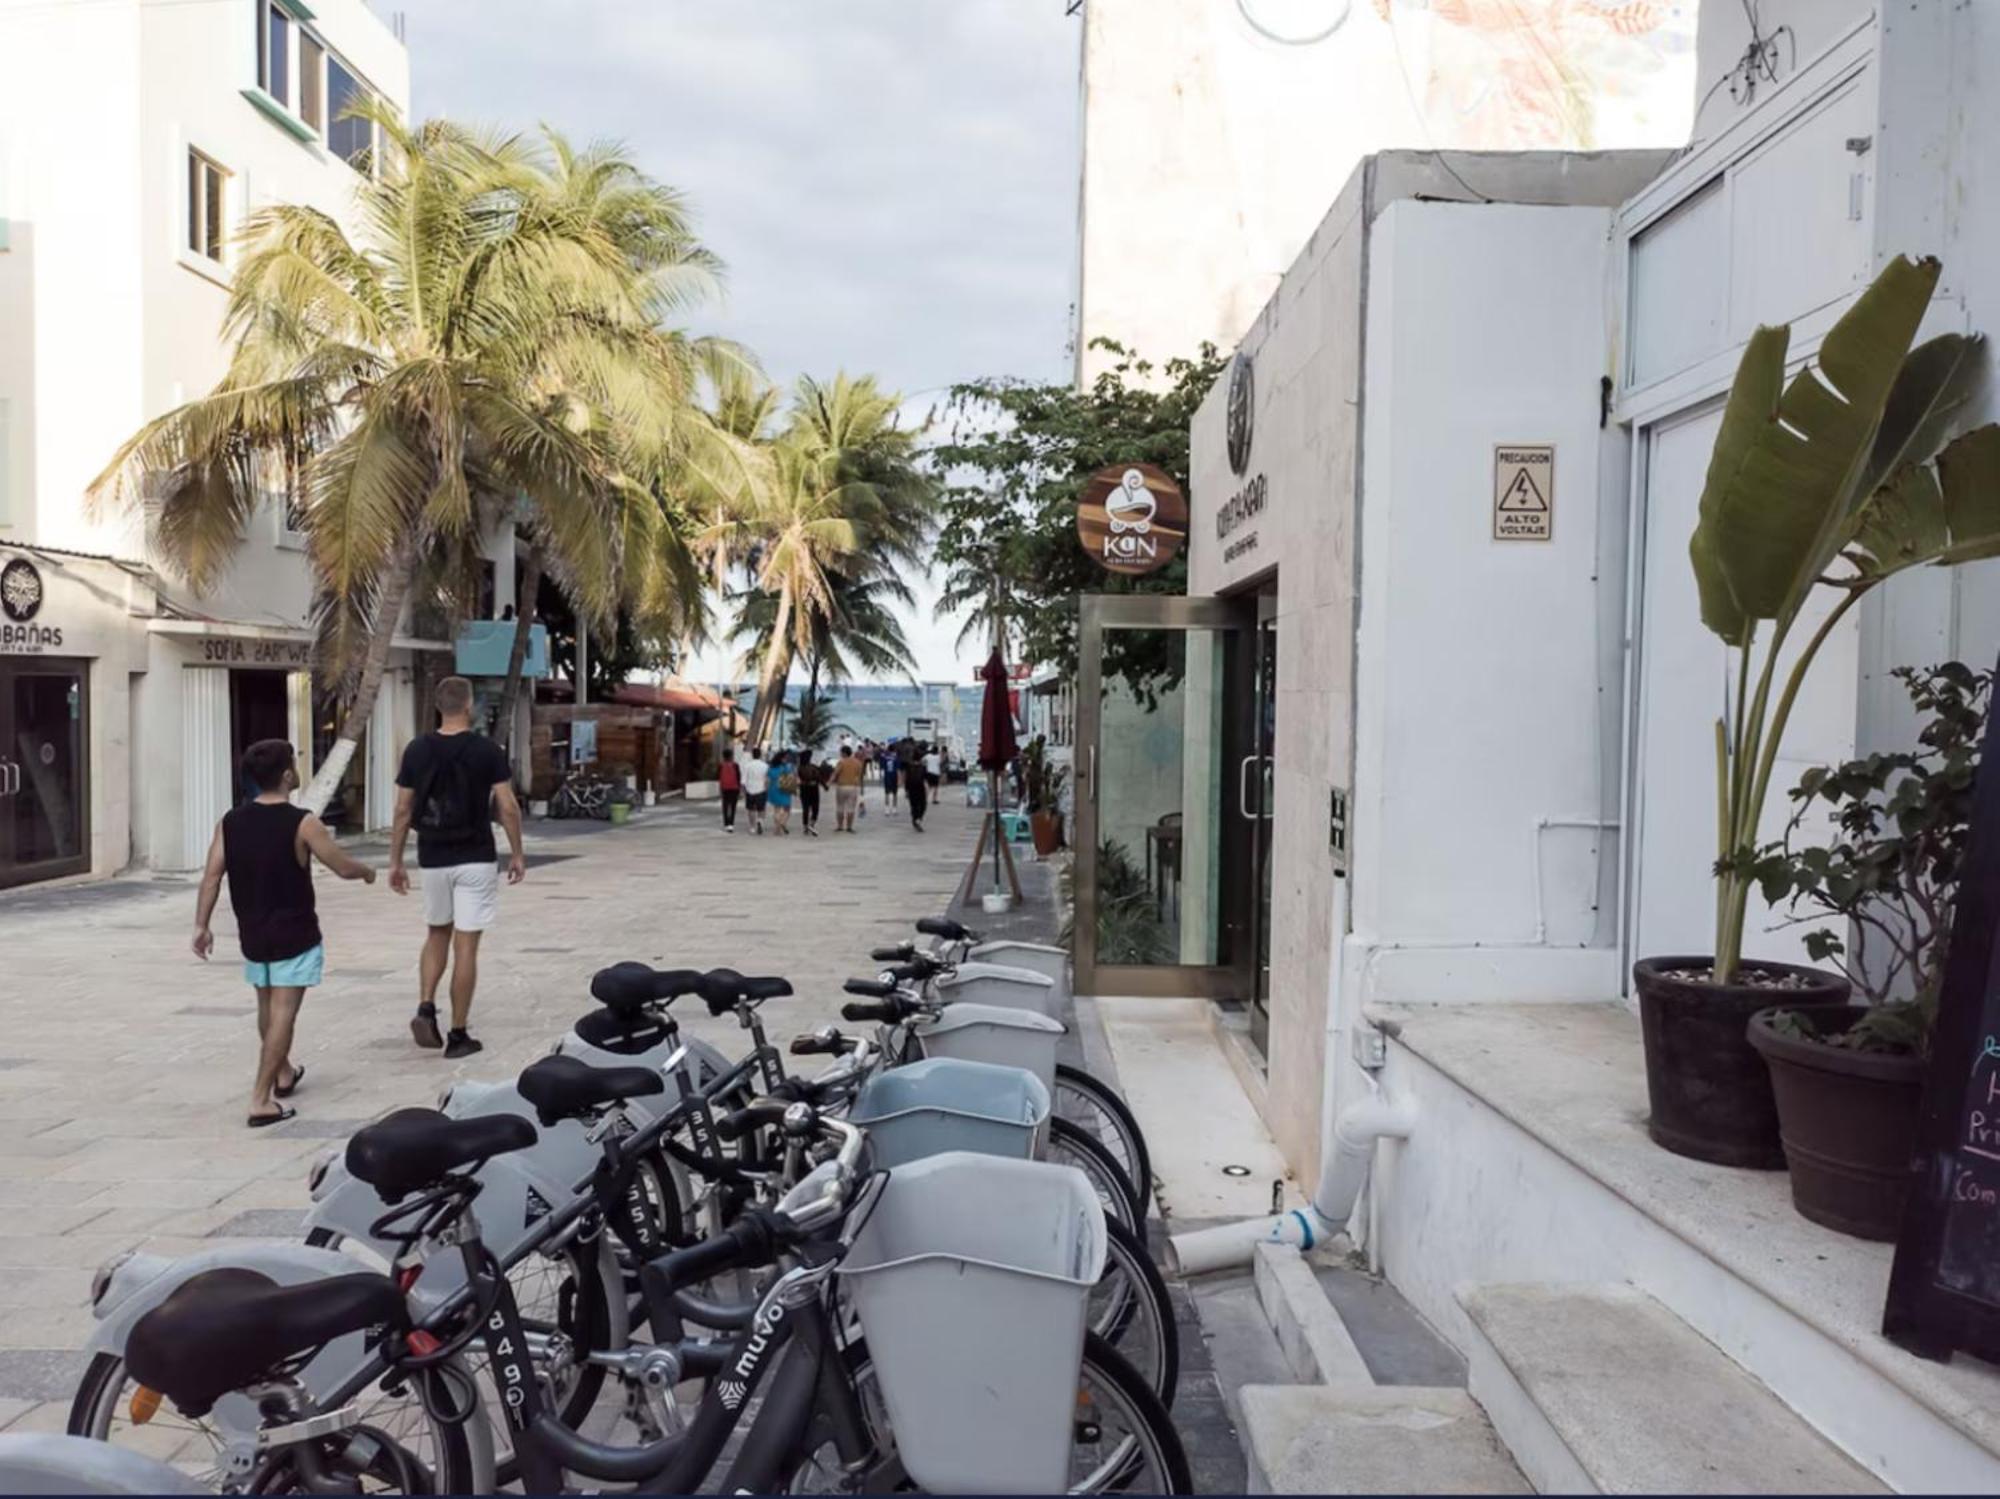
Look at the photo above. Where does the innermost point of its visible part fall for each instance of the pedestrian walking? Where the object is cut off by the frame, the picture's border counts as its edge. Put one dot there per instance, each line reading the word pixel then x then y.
pixel 730 779
pixel 451 782
pixel 892 772
pixel 933 769
pixel 756 788
pixel 848 772
pixel 916 784
pixel 784 786
pixel 812 776
pixel 265 849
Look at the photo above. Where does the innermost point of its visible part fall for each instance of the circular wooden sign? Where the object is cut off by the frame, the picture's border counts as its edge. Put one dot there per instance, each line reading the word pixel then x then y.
pixel 1133 518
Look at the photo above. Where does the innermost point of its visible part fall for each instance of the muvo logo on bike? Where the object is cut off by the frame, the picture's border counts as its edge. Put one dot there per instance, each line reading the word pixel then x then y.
pixel 732 1392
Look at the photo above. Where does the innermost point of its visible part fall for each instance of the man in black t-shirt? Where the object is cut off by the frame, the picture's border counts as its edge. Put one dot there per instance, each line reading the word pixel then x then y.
pixel 451 783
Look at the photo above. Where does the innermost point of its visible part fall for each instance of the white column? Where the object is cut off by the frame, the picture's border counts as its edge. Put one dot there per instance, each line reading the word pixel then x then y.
pixel 207 778
pixel 299 716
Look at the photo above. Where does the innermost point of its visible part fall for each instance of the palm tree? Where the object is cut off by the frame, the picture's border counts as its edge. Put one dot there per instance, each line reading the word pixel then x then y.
pixel 489 339
pixel 839 500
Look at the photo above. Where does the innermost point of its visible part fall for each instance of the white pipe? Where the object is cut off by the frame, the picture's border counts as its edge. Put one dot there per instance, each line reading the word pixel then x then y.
pixel 1341 1176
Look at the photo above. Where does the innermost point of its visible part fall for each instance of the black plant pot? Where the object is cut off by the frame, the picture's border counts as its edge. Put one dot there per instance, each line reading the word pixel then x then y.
pixel 1710 1090
pixel 1850 1123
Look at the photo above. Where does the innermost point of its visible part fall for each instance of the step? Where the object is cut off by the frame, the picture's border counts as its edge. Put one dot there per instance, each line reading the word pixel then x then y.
pixel 1314 1339
pixel 1598 1389
pixel 1371 1439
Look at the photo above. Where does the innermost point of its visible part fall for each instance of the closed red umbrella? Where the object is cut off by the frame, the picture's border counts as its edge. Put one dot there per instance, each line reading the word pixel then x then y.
pixel 997 744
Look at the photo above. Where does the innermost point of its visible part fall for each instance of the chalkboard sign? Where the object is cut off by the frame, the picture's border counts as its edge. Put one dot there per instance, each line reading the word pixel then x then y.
pixel 1944 1293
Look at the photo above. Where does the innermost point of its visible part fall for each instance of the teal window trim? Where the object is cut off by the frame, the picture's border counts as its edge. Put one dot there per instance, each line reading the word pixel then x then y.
pixel 299 9
pixel 283 116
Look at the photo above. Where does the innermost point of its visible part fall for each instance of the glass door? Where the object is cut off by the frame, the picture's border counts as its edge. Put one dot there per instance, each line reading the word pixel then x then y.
pixel 1165 805
pixel 1264 719
pixel 44 784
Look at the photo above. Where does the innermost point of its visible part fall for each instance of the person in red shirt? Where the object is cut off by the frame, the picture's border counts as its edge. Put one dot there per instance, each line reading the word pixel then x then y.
pixel 731 779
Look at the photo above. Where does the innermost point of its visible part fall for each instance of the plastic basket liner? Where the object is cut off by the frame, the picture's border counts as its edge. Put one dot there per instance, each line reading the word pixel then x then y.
pixel 997 984
pixel 945 1104
pixel 972 1280
pixel 989 1033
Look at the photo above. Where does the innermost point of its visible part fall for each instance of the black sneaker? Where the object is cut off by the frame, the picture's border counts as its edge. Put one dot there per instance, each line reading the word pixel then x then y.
pixel 460 1044
pixel 424 1028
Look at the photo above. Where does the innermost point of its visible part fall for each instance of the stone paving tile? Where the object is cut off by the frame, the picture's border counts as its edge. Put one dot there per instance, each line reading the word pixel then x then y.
pixel 262 1223
pixel 28 1375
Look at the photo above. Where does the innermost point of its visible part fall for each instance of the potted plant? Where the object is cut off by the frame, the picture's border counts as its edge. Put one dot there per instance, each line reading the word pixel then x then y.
pixel 1044 781
pixel 1848 1079
pixel 1820 487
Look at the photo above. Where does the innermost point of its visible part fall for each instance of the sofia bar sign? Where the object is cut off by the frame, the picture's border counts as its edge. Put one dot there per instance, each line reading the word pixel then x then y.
pixel 1132 518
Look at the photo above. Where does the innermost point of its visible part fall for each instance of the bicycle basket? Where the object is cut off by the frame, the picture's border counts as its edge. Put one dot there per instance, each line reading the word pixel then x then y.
pixel 997 984
pixel 972 1280
pixel 945 1104
pixel 1051 962
pixel 991 1033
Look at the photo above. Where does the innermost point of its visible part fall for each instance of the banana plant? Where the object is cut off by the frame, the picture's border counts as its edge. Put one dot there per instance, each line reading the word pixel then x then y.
pixel 1838 479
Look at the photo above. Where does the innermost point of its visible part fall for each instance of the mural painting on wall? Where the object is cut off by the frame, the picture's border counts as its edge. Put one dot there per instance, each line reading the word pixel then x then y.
pixel 1547 74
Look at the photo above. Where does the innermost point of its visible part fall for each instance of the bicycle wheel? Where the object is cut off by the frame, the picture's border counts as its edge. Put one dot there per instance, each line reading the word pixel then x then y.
pixel 1095 1107
pixel 1123 1441
pixel 439 1458
pixel 1130 1309
pixel 1070 1145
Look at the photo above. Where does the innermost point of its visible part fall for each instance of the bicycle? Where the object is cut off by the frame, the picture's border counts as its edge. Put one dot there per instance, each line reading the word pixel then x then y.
pixel 581 794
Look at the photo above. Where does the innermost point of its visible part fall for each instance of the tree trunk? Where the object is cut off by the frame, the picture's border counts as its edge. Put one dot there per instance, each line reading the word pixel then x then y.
pixel 525 607
pixel 776 669
pixel 354 724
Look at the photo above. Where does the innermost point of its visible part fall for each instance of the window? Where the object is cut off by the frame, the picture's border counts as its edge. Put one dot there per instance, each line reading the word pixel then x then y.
pixel 352 140
pixel 275 53
pixel 312 84
pixel 204 207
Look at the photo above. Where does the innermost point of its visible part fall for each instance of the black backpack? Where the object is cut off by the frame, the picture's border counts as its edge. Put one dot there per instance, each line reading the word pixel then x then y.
pixel 444 803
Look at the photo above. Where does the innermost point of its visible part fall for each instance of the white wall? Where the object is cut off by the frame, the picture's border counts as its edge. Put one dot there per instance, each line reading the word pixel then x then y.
pixel 1211 152
pixel 1480 871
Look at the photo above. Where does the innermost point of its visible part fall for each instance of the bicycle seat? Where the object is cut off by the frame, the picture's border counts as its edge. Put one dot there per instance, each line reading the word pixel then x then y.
pixel 945 927
pixel 569 1088
pixel 223 1329
pixel 627 988
pixel 724 988
pixel 608 1030
pixel 412 1148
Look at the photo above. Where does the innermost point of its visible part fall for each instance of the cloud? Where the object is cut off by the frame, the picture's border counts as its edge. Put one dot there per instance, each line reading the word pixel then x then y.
pixel 892 183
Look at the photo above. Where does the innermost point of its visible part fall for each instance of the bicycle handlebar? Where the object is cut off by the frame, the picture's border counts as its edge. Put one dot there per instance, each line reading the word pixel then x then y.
pixel 902 952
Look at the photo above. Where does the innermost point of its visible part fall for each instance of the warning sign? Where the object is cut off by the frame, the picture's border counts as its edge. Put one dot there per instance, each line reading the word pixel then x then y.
pixel 1524 492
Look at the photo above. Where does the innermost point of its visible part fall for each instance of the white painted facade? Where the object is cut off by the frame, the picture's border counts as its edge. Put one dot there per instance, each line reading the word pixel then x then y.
pixel 1526 727
pixel 1212 145
pixel 111 309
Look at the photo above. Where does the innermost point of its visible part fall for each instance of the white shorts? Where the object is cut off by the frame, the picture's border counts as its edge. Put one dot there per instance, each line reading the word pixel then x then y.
pixel 466 896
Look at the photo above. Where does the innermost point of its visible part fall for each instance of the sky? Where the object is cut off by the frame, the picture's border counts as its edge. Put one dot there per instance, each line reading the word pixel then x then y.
pixel 892 184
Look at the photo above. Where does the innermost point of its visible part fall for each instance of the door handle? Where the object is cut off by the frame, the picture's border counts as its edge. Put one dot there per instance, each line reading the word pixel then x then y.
pixel 1243 787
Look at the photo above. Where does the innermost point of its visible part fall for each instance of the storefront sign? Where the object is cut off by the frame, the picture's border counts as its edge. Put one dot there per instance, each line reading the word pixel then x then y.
pixel 1132 518
pixel 1524 492
pixel 224 651
pixel 1243 507
pixel 1944 1292
pixel 22 595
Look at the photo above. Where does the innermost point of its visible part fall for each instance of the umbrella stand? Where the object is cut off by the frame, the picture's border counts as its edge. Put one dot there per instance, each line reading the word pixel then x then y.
pixel 989 826
pixel 995 748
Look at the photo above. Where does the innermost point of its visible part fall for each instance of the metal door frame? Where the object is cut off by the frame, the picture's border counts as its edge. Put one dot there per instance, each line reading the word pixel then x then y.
pixel 12 875
pixel 1262 831
pixel 1097 613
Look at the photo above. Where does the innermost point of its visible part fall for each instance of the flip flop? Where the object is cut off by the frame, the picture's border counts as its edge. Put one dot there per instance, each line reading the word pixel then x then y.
pixel 264 1121
pixel 298 1076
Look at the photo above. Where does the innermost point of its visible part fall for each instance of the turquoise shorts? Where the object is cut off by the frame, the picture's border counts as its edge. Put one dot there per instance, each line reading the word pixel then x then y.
pixel 301 972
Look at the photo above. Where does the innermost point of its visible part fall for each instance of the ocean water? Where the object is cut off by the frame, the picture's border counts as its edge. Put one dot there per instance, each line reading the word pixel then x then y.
pixel 883 710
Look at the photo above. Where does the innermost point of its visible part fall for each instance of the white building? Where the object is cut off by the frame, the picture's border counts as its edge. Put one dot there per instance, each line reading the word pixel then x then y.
pixel 1438 764
pixel 1215 132
pixel 135 139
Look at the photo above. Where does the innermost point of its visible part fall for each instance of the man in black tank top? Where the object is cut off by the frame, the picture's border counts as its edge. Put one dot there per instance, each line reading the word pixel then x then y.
pixel 265 849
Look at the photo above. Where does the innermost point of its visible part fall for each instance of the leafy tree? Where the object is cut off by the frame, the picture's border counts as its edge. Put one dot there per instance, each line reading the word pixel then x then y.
pixel 489 340
pixel 836 497
pixel 1016 459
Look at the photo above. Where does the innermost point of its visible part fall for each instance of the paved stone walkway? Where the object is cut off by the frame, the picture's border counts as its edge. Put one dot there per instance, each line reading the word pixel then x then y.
pixel 125 1063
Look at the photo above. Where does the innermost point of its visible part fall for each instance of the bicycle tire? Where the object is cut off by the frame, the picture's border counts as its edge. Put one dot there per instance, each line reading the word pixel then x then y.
pixel 1126 1254
pixel 1072 1145
pixel 1102 1367
pixel 101 1392
pixel 1133 1156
